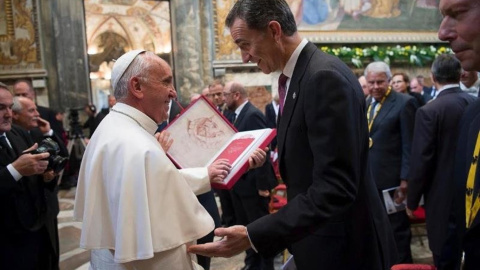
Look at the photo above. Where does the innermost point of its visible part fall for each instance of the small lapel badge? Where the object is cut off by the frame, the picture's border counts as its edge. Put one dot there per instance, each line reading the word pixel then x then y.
pixel 294 95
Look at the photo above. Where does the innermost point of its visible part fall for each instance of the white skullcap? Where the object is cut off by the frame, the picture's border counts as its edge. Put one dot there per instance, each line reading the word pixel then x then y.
pixel 121 65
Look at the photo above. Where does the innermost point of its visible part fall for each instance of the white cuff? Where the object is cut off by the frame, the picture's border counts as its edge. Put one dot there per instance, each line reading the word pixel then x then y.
pixel 49 133
pixel 251 244
pixel 16 175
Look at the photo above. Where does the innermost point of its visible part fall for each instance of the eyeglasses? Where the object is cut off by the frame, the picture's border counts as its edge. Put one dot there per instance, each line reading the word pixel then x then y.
pixel 219 94
pixel 226 94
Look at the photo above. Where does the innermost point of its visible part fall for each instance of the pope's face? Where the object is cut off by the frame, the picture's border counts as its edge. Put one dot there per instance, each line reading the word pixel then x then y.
pixel 461 28
pixel 158 91
pixel 256 46
pixel 378 84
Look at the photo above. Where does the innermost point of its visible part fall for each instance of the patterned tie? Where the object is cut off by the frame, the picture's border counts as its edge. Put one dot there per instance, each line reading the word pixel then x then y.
pixel 282 90
pixel 4 145
pixel 372 111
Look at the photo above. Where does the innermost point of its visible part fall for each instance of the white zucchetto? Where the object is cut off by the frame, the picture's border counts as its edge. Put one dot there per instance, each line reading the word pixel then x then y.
pixel 121 65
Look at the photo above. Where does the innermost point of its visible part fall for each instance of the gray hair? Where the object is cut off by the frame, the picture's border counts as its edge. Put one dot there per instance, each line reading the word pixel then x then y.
pixel 446 68
pixel 258 13
pixel 17 104
pixel 378 67
pixel 139 66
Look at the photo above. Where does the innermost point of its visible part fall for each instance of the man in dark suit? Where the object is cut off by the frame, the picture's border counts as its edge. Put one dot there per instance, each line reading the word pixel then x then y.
pixel 333 218
pixel 251 194
pixel 271 113
pixel 25 243
pixel 390 120
pixel 24 88
pixel 462 32
pixel 434 141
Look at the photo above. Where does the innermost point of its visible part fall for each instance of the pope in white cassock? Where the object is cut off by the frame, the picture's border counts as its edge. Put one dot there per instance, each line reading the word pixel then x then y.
pixel 138 210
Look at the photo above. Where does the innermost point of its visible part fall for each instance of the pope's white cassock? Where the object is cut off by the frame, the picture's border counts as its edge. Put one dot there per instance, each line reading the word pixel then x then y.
pixel 138 210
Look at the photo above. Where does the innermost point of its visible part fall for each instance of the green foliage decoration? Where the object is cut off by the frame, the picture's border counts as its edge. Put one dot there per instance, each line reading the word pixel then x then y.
pixel 416 55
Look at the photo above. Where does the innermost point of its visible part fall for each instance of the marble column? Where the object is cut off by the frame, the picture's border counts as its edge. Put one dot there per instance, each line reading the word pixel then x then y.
pixel 192 45
pixel 64 52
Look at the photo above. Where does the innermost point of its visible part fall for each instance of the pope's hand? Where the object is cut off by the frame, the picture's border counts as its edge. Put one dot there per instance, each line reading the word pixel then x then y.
pixel 257 158
pixel 234 241
pixel 164 139
pixel 218 170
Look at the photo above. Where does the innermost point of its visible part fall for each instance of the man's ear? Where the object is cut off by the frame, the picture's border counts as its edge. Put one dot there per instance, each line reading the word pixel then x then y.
pixel 135 88
pixel 275 30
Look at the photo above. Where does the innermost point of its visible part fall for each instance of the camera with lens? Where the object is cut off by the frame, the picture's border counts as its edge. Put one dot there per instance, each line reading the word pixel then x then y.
pixel 55 161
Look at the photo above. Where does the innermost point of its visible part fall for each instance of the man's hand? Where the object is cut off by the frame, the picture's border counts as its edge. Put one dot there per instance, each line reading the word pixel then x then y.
pixel 29 164
pixel 234 240
pixel 48 176
pixel 164 139
pixel 218 170
pixel 410 213
pixel 43 125
pixel 401 193
pixel 257 158
pixel 264 193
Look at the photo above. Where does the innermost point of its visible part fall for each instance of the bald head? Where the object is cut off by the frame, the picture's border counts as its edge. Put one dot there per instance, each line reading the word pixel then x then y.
pixel 24 88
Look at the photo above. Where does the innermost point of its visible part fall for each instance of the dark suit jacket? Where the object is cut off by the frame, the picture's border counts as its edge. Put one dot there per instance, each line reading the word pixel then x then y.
pixel 392 132
pixel 334 218
pixel 263 178
pixel 459 238
pixel 23 210
pixel 431 169
pixel 271 122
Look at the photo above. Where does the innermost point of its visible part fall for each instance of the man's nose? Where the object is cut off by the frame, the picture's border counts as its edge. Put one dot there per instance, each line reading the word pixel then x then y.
pixel 246 57
pixel 446 31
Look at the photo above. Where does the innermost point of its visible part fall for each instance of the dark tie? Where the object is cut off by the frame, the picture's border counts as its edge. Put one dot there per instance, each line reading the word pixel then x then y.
pixel 282 90
pixel 372 111
pixel 234 118
pixel 8 150
pixel 161 126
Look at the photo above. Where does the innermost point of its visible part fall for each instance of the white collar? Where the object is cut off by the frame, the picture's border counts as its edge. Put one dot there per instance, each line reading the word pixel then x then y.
pixel 141 118
pixel 239 109
pixel 290 66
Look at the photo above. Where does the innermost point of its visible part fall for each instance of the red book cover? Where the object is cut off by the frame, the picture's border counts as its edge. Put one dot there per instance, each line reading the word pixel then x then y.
pixel 235 149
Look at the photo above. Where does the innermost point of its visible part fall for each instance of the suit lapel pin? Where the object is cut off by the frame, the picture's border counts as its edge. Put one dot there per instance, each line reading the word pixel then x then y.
pixel 294 95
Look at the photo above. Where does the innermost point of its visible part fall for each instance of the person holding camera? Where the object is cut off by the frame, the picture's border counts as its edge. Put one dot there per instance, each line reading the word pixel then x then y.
pixel 26 115
pixel 26 242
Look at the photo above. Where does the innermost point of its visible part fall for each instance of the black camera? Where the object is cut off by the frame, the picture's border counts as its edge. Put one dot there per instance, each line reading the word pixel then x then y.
pixel 55 162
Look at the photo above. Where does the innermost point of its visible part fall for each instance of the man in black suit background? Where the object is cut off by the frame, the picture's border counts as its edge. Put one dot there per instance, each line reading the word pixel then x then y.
pixel 460 28
pixel 25 243
pixel 334 218
pixel 271 114
pixel 434 140
pixel 251 194
pixel 390 118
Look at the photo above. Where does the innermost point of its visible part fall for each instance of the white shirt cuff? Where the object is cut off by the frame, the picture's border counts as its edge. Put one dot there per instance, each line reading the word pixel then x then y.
pixel 251 244
pixel 16 175
pixel 49 133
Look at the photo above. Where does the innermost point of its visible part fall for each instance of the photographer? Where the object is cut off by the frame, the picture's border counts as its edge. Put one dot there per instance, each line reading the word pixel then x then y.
pixel 26 116
pixel 24 229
